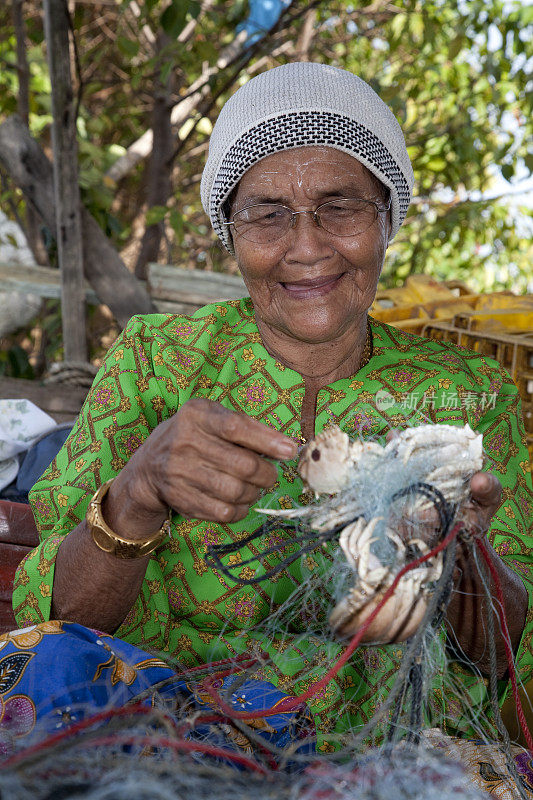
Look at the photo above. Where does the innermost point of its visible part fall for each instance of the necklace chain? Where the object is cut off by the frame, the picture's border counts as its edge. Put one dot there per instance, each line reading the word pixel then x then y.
pixel 366 355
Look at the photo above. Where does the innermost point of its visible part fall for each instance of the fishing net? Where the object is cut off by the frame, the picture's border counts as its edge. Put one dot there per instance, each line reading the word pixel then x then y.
pixel 191 736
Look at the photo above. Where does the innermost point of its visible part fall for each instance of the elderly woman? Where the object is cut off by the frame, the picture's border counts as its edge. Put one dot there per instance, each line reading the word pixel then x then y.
pixel 192 419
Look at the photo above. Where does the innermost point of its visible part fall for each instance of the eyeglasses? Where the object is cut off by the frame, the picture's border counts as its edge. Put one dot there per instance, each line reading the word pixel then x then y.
pixel 266 222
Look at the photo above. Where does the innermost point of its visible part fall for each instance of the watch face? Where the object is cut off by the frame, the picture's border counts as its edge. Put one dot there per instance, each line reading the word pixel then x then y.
pixel 102 539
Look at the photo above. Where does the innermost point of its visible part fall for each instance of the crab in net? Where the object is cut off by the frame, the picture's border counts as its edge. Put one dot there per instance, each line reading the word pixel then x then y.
pixel 384 498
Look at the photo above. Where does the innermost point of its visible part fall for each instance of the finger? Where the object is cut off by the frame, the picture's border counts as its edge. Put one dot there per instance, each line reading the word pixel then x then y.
pixel 486 489
pixel 485 498
pixel 226 487
pixel 240 462
pixel 188 478
pixel 249 433
pixel 257 471
pixel 200 505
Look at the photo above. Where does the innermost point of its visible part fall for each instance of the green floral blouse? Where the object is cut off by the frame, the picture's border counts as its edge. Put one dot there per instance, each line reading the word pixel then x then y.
pixel 192 612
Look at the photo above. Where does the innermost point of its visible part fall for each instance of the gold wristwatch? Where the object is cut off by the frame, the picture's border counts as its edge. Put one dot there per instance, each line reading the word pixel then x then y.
pixel 112 543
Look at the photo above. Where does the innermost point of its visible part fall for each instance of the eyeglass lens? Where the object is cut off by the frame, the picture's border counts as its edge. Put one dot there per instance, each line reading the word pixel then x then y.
pixel 266 222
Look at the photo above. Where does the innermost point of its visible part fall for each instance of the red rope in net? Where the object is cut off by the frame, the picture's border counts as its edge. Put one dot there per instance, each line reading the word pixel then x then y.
pixel 285 706
pixel 179 744
pixel 483 549
pixel 293 703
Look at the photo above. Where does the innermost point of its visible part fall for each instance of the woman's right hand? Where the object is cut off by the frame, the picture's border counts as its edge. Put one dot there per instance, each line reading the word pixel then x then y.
pixel 205 462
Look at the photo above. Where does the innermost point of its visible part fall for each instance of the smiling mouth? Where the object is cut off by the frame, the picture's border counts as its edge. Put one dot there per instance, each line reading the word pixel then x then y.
pixel 312 287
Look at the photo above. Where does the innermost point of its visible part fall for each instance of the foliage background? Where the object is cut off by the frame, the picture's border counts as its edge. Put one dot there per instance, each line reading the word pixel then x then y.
pixel 457 74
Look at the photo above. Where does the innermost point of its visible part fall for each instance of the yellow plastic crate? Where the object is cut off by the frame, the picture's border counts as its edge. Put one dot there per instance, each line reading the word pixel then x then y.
pixel 514 351
pixel 423 298
pixel 499 325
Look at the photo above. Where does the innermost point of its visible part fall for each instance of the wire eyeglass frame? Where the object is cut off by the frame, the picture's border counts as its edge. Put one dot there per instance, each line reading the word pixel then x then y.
pixel 274 232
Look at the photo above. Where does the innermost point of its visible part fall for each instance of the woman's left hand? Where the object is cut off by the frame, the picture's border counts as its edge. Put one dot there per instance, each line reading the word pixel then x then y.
pixel 475 514
pixel 468 608
pixel 485 499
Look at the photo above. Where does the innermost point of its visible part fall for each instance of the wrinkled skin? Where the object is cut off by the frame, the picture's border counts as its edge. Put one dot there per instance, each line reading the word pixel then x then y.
pixel 311 292
pixel 310 287
pixel 207 461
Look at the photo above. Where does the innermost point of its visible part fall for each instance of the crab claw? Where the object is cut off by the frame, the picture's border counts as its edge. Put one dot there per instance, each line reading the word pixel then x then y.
pixel 396 621
pixel 402 613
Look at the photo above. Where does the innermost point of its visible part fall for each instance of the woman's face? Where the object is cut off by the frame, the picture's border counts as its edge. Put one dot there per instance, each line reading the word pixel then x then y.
pixel 310 285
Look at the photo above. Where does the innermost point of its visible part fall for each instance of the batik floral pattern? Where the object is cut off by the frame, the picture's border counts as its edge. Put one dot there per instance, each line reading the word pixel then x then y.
pixel 189 610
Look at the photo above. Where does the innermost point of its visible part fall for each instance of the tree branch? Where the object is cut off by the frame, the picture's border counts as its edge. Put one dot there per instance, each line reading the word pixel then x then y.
pixel 57 26
pixel 199 90
pixel 32 227
pixel 23 71
pixel 159 175
pixel 30 170
pixel 306 36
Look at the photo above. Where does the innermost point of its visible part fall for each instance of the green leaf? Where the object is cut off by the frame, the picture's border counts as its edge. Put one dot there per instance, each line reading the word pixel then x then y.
pixel 436 164
pixel 206 50
pixel 194 8
pixel 166 69
pixel 35 31
pixel 455 47
pixel 176 223
pixel 397 25
pixel 173 18
pixel 127 46
pixel 155 215
pixel 416 26
pixel 508 171
pixel 526 15
pixel 19 365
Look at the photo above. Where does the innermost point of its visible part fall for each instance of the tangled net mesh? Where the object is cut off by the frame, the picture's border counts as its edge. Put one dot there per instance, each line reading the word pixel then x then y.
pixel 168 748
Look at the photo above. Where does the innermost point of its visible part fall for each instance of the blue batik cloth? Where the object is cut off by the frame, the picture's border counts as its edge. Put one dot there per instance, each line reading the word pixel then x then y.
pixel 56 674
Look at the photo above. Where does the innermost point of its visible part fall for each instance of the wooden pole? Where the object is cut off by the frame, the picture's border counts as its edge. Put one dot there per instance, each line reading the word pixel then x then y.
pixel 66 187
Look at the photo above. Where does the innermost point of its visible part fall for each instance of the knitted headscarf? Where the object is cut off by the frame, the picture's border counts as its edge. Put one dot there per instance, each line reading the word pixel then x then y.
pixel 298 105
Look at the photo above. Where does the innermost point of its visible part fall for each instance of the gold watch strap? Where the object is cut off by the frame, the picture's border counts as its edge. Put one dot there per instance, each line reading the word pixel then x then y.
pixel 109 541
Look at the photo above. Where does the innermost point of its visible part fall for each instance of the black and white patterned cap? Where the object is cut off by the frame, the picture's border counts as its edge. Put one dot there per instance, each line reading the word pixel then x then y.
pixel 297 105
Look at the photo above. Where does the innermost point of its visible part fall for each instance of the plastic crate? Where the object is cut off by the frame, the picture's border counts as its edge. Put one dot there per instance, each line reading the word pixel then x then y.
pixel 514 351
pixel 422 298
